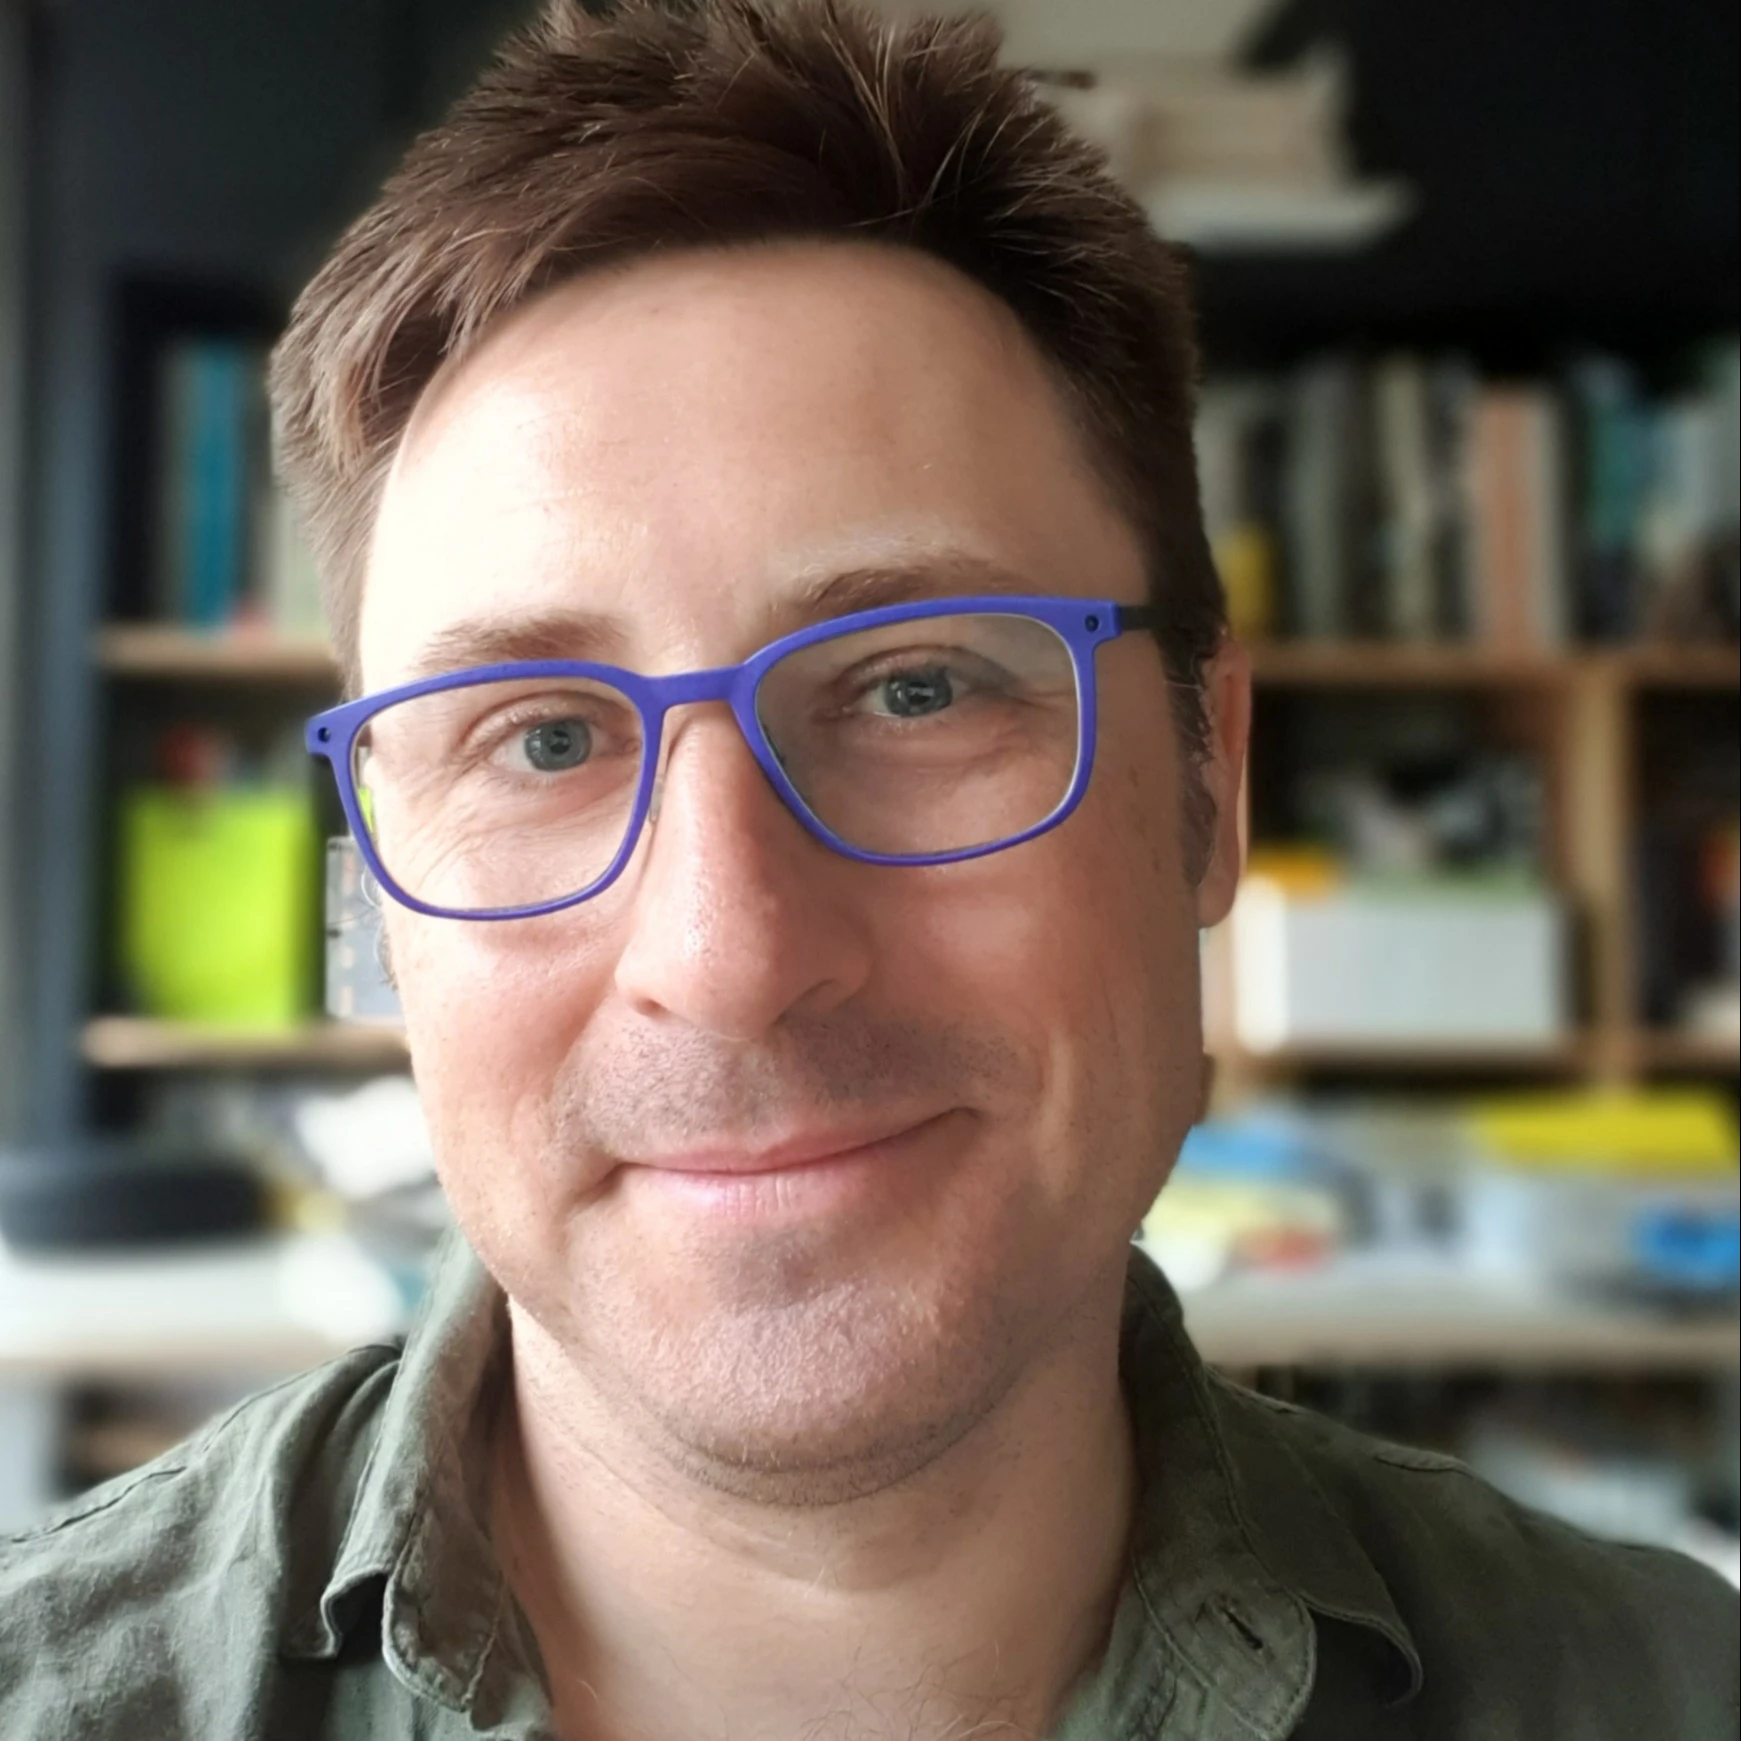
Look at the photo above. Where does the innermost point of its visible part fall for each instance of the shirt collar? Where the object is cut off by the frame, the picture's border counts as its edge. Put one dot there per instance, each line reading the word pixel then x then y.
pixel 415 1551
pixel 1235 1545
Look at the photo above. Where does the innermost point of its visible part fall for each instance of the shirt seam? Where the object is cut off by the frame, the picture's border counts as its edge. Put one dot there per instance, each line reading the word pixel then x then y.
pixel 1296 1686
pixel 1146 1726
pixel 1410 1459
pixel 489 1644
pixel 314 1612
pixel 199 1452
pixel 55 1526
pixel 339 1568
pixel 1401 1640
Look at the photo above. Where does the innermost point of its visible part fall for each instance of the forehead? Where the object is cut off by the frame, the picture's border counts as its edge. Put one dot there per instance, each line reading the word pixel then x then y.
pixel 680 448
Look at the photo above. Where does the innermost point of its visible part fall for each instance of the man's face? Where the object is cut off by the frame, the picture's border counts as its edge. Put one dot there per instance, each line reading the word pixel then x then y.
pixel 985 1068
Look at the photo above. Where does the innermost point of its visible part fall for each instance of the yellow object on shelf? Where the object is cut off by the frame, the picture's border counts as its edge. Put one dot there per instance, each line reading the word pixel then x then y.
pixel 1245 555
pixel 1200 1228
pixel 218 914
pixel 1300 871
pixel 1670 1130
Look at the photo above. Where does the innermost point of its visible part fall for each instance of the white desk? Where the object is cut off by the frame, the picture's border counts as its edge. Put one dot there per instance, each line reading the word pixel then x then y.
pixel 1382 1310
pixel 240 1315
pixel 277 1306
pixel 267 1307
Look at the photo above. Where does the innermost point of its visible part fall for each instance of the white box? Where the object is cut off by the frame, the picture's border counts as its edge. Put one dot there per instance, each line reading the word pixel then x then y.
pixel 1434 964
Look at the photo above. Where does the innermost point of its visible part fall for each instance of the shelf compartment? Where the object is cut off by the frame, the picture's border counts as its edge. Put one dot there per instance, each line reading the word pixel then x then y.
pixel 141 1043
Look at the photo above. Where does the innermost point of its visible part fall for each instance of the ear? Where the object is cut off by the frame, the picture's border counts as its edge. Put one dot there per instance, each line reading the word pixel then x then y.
pixel 1227 707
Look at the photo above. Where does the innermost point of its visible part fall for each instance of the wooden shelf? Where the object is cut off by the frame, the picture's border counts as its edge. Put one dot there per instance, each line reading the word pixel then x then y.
pixel 1394 665
pixel 1714 668
pixel 1570 1057
pixel 1700 1054
pixel 1629 1052
pixel 1388 665
pixel 139 1043
pixel 148 650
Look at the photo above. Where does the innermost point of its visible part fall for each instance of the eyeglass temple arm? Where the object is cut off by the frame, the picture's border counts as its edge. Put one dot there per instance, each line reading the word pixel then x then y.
pixel 1129 617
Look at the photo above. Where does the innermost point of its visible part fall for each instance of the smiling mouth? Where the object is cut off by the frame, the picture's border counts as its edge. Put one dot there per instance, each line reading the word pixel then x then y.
pixel 803 1152
pixel 848 1178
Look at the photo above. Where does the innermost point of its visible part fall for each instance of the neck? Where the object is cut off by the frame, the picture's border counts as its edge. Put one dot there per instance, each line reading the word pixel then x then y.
pixel 968 1598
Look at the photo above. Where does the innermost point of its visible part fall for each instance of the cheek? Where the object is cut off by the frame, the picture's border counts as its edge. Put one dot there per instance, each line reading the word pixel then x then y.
pixel 491 1012
pixel 1121 929
pixel 1081 947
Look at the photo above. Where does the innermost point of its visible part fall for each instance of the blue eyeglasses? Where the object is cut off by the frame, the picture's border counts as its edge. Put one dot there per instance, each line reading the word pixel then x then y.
pixel 916 734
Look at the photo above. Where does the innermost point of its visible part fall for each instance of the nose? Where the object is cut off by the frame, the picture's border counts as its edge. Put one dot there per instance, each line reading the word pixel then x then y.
pixel 738 916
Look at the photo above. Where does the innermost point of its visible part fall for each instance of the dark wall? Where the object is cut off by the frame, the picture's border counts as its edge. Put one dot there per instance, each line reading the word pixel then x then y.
pixel 1578 164
pixel 206 140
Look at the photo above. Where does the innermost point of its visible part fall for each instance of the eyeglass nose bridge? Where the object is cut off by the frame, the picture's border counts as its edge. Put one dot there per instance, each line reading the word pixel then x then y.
pixel 735 686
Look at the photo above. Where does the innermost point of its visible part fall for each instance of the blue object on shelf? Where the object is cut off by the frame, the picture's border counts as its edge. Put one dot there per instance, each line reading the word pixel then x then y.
pixel 1266 1149
pixel 1688 1250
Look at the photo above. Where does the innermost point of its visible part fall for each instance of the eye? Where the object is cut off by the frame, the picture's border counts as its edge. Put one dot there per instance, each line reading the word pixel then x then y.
pixel 915 693
pixel 557 745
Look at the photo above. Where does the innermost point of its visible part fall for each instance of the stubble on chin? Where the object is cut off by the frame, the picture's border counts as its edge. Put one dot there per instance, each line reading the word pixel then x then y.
pixel 789 1368
pixel 825 1400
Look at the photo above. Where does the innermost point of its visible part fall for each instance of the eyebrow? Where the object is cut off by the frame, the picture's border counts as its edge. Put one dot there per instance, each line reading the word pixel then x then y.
pixel 549 635
pixel 593 635
pixel 874 585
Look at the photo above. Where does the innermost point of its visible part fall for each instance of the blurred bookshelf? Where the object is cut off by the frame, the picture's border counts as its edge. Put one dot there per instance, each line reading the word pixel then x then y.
pixel 1381 289
pixel 1583 712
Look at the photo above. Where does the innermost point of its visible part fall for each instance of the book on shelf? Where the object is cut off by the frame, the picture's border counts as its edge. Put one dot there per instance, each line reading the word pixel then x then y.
pixel 288 581
pixel 1238 429
pixel 1410 505
pixel 204 410
pixel 1327 511
pixel 1517 517
pixel 1613 451
pixel 227 551
pixel 1407 498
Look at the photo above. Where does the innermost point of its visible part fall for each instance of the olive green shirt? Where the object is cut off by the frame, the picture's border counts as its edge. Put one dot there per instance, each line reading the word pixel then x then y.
pixel 313 1566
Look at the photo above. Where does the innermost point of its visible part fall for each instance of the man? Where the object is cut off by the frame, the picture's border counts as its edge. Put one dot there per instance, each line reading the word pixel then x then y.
pixel 750 456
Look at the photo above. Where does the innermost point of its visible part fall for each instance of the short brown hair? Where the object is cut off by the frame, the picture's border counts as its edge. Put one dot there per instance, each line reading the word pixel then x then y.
pixel 593 141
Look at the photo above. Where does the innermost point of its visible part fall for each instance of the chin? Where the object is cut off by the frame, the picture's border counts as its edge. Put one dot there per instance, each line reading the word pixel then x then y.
pixel 817 1398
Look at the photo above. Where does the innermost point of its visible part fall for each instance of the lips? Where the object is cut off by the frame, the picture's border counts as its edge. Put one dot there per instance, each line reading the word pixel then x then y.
pixel 806 1149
